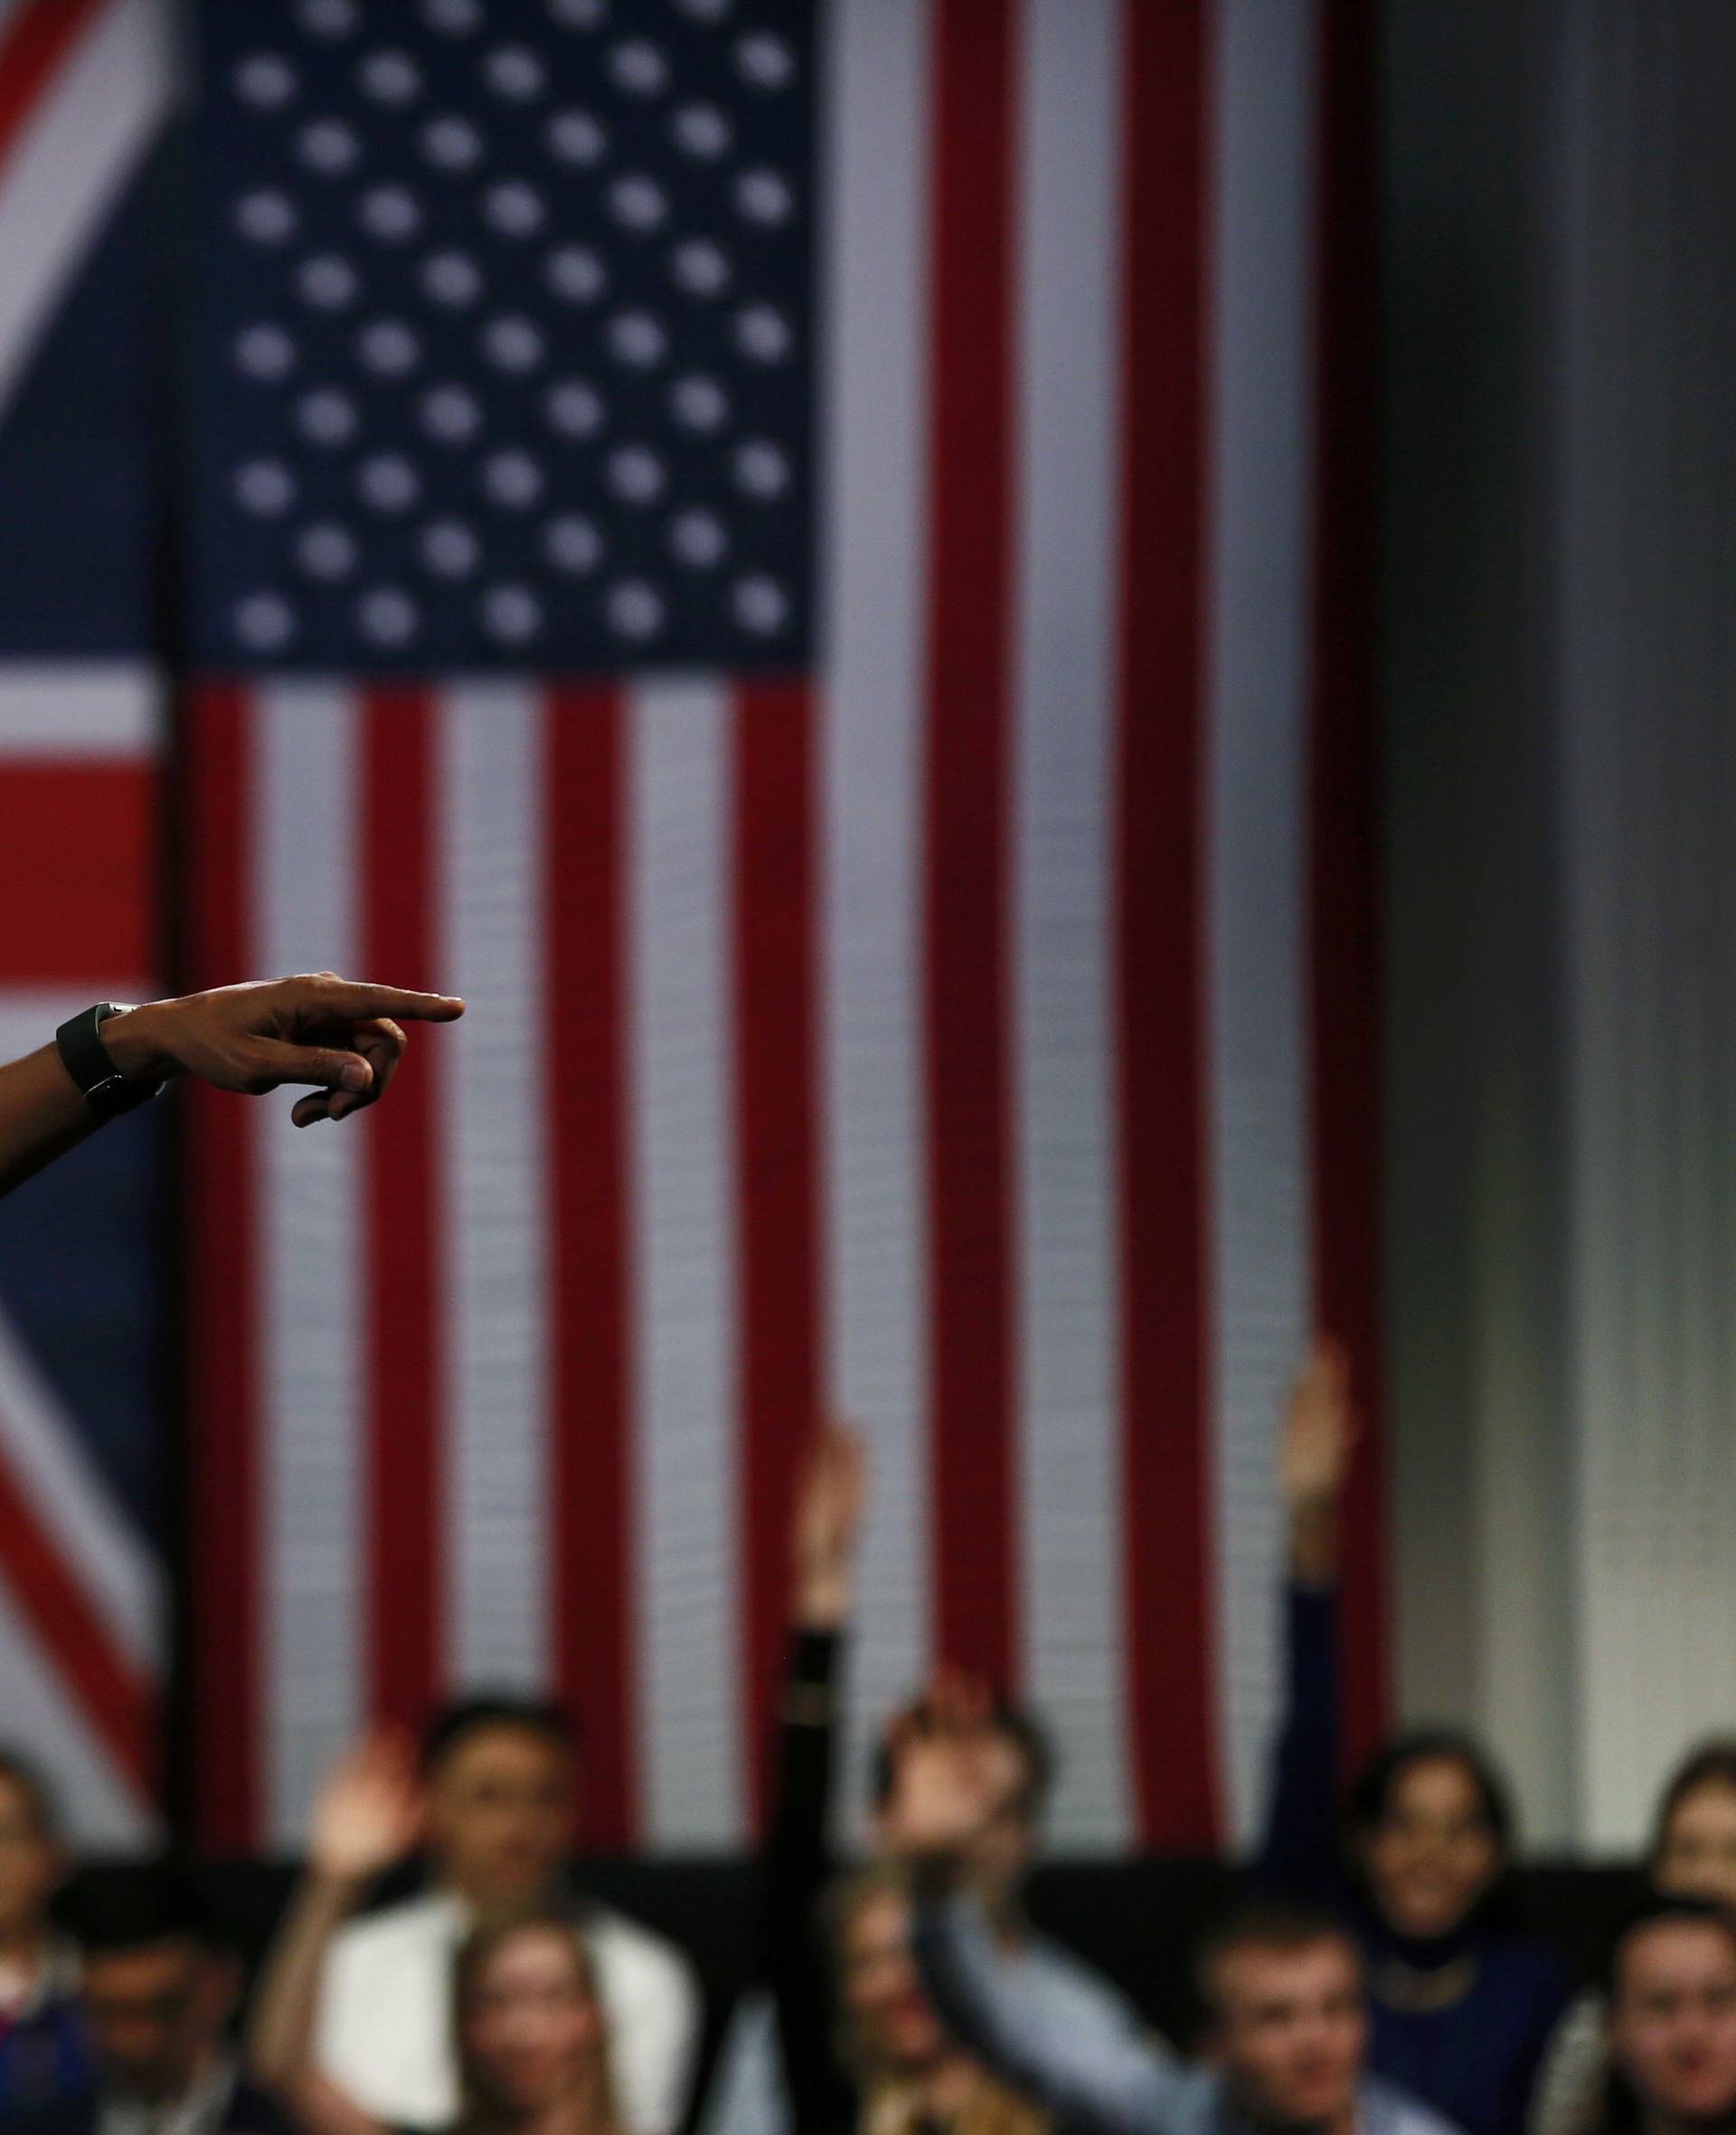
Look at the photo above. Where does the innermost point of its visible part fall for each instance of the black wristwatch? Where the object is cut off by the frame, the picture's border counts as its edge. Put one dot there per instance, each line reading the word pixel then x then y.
pixel 86 1059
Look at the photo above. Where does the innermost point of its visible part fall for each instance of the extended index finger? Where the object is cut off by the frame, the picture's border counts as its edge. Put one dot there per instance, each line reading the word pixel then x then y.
pixel 354 998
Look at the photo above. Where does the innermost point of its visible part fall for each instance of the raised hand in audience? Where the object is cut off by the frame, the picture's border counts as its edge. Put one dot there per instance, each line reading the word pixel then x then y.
pixel 948 1784
pixel 1318 1443
pixel 825 1534
pixel 368 1813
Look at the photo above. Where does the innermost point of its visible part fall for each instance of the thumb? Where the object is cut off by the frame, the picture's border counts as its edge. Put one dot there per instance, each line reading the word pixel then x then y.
pixel 325 1067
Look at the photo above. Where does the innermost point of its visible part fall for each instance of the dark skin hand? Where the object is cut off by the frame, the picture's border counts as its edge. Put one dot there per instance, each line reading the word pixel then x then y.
pixel 342 1037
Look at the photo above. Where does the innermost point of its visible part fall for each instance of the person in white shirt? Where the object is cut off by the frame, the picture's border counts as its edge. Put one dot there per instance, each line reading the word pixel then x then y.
pixel 500 1779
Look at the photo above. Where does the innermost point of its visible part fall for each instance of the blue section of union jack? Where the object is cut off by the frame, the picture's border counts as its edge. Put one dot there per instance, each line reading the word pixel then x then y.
pixel 84 98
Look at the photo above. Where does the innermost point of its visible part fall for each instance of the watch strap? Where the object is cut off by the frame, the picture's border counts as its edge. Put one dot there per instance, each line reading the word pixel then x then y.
pixel 86 1059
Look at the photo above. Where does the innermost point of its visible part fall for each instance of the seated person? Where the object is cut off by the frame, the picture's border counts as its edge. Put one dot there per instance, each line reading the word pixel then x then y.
pixel 43 2055
pixel 1415 1859
pixel 531 2037
pixel 158 1990
pixel 1692 1855
pixel 1283 1987
pixel 828 1515
pixel 497 1802
pixel 1672 2023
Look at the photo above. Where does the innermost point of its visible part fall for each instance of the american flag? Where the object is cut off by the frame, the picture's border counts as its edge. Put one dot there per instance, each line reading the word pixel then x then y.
pixel 808 559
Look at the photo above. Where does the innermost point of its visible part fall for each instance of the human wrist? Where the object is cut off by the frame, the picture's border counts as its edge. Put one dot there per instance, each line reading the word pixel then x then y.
pixel 135 1041
pixel 823 1600
pixel 1313 1542
pixel 334 1889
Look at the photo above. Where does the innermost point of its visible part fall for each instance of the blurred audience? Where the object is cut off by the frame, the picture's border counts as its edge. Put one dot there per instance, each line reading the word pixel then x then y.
pixel 497 1818
pixel 1692 1855
pixel 1416 1864
pixel 860 2045
pixel 158 1991
pixel 495 1807
pixel 530 2036
pixel 44 2053
pixel 1283 1987
pixel 1671 2023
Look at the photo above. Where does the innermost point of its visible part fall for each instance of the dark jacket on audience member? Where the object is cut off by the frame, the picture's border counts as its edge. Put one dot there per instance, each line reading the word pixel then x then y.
pixel 1475 2057
pixel 44 2055
pixel 247 2110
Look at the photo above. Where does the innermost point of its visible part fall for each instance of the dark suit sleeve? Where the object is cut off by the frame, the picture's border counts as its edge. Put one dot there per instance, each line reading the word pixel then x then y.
pixel 1298 1851
pixel 798 1864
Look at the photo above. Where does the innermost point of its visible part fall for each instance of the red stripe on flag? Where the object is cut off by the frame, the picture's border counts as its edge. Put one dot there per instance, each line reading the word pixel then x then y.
pixel 1161 923
pixel 407 1555
pixel 115 1701
pixel 222 1211
pixel 967 801
pixel 775 1175
pixel 97 922
pixel 591 1436
pixel 34 46
pixel 1344 815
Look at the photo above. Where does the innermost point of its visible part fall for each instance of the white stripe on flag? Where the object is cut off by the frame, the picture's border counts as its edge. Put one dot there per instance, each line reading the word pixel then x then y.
pixel 310 1272
pixel 77 151
pixel 1263 128
pixel 682 1142
pixel 1064 847
pixel 877 96
pixel 496 1251
pixel 99 1803
pixel 103 712
pixel 70 1495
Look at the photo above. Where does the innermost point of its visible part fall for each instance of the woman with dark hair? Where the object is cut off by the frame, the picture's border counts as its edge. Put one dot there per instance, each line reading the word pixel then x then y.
pixel 531 2035
pixel 1462 2006
pixel 1671 2026
pixel 1692 1855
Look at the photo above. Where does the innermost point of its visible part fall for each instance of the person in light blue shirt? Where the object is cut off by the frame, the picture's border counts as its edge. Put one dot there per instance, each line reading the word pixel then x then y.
pixel 1283 1987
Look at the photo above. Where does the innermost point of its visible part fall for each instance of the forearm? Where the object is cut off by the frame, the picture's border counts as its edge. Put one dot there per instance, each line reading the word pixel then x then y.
pixel 43 1114
pixel 281 2038
pixel 1299 1847
pixel 991 2005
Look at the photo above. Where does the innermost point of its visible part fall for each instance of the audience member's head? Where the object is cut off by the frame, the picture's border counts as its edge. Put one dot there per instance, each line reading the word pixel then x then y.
pixel 32 1861
pixel 891 2023
pixel 501 1775
pixel 1431 1832
pixel 1672 2019
pixel 1287 2016
pixel 1024 1776
pixel 1693 1847
pixel 532 2034
pixel 160 1987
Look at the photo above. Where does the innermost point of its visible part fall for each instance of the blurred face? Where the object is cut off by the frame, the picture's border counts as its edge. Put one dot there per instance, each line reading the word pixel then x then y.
pixel 1696 1858
pixel 500 1814
pixel 1673 2022
pixel 532 2023
pixel 156 2015
pixel 883 1993
pixel 30 1864
pixel 1433 1854
pixel 1290 2030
